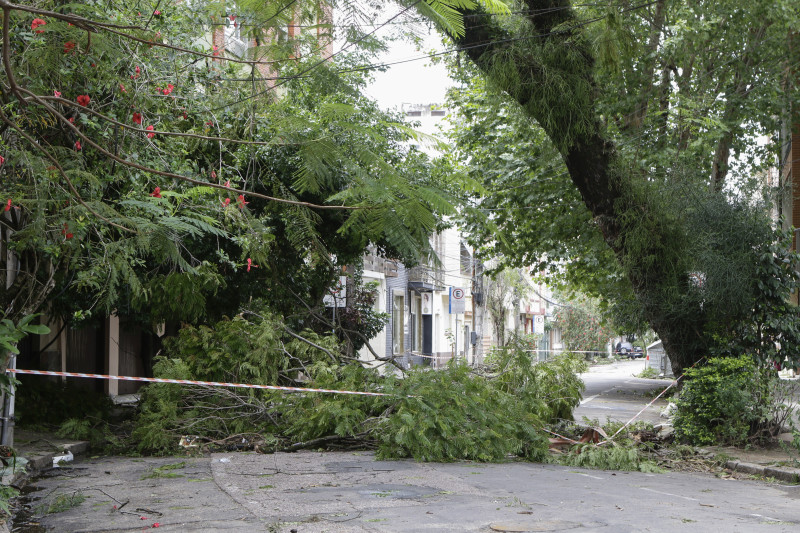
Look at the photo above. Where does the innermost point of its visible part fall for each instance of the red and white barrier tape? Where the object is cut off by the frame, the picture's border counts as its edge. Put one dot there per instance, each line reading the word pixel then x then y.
pixel 189 382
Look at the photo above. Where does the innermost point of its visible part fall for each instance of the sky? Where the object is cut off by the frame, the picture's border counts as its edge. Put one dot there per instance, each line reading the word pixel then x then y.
pixel 411 82
pixel 414 82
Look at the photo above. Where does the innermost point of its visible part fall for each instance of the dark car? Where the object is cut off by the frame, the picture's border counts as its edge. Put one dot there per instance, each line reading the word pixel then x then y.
pixel 630 351
pixel 624 349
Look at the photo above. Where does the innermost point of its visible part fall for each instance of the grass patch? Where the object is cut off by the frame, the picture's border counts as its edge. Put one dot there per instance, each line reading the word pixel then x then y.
pixel 62 502
pixel 163 471
pixel 648 373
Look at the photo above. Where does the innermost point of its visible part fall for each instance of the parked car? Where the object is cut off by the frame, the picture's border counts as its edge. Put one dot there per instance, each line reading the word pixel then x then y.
pixel 624 349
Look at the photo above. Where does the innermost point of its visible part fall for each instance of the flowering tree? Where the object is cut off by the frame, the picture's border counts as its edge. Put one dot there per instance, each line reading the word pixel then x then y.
pixel 145 169
pixel 582 327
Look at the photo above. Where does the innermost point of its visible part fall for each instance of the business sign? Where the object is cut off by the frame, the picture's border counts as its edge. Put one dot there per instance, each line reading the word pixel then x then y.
pixel 457 301
pixel 427 303
pixel 538 324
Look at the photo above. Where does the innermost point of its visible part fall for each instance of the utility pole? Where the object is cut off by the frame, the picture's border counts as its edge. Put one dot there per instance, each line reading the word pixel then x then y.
pixel 477 310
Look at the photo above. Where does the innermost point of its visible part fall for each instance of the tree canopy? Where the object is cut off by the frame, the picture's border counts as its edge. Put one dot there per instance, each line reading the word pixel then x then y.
pixel 618 124
pixel 147 170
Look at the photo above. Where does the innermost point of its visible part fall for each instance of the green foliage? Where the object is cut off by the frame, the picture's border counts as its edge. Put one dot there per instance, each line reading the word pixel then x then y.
pixel 94 430
pixel 310 416
pixel 165 471
pixel 442 415
pixel 7 492
pixel 553 387
pixel 660 145
pixel 237 198
pixel 725 401
pixel 11 334
pixel 582 325
pixel 770 328
pixel 61 503
pixel 648 373
pixel 611 457
pixel 453 415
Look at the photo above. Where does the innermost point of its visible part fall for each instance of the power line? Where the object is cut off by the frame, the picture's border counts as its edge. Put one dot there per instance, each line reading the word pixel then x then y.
pixel 285 79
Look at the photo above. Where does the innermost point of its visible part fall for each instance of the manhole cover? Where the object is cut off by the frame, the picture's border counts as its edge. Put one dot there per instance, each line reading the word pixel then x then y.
pixel 523 527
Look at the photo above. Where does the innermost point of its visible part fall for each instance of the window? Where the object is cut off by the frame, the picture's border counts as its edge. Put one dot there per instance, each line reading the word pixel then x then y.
pixel 398 324
pixel 438 113
pixel 466 261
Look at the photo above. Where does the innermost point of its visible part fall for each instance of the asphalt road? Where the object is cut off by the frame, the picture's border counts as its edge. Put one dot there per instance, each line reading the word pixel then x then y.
pixel 614 393
pixel 312 492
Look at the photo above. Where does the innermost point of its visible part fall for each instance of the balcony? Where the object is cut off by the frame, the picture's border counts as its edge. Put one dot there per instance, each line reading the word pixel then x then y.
pixel 426 277
pixel 380 264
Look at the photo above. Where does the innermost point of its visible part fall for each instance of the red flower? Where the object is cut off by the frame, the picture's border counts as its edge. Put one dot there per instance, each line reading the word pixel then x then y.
pixel 169 89
pixel 156 192
pixel 232 17
pixel 209 123
pixel 242 203
pixel 8 205
pixel 2 159
pixel 78 145
pixel 156 12
pixel 71 120
pixel 226 202
pixel 122 88
pixel 216 51
pixel 84 100
pixel 228 183
pixel 36 23
pixel 156 524
pixel 137 118
pixel 65 231
pixel 69 46
pixel 213 173
pixel 94 65
pixel 150 135
pixel 138 71
pixel 56 94
pixel 142 518
pixel 250 264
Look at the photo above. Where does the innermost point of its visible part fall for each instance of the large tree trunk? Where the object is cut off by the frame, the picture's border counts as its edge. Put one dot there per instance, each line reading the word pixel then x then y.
pixel 550 73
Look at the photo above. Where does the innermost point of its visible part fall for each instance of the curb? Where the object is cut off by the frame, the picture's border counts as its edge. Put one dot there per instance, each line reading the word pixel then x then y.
pixel 786 474
pixel 39 462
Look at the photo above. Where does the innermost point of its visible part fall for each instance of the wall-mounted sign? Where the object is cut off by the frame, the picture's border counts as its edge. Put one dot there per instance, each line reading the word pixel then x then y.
pixel 457 300
pixel 538 324
pixel 427 303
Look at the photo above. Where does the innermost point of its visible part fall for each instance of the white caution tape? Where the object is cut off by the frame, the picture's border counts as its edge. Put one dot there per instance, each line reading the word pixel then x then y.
pixel 189 382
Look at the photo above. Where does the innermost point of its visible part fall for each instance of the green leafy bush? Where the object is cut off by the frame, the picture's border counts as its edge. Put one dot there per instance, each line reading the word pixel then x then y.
pixel 626 458
pixel 453 414
pixel 443 415
pixel 725 401
pixel 235 350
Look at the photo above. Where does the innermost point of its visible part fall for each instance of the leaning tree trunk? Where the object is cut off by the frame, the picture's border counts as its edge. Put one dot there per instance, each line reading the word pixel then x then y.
pixel 548 68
